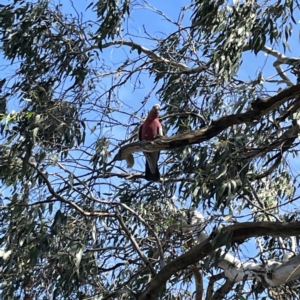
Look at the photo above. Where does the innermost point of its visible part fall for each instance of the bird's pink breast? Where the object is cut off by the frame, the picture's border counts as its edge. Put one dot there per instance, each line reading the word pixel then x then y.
pixel 150 129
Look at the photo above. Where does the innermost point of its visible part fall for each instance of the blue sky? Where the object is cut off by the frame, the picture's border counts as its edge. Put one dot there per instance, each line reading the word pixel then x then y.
pixel 157 26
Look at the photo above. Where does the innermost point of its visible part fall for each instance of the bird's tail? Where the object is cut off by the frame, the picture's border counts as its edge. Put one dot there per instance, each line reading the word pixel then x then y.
pixel 152 176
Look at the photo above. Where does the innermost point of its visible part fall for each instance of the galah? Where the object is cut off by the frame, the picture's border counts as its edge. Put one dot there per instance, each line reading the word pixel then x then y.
pixel 148 131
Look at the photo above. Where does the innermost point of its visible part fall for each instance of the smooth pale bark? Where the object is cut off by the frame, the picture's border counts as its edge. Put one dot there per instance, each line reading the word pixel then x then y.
pixel 238 232
pixel 273 273
pixel 285 272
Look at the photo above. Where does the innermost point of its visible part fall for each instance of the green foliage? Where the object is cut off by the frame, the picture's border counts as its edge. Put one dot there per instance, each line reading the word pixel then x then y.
pixel 75 223
pixel 110 16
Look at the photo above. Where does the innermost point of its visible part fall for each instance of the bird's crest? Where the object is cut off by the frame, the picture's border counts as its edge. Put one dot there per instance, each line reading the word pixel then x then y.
pixel 156 107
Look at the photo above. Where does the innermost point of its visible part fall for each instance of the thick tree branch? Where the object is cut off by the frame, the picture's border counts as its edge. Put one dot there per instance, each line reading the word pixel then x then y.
pixel 198 283
pixel 285 272
pixel 212 281
pixel 293 107
pixel 260 108
pixel 223 290
pixel 238 233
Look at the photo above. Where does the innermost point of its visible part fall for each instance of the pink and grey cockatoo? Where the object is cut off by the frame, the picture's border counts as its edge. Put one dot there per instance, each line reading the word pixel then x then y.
pixel 148 131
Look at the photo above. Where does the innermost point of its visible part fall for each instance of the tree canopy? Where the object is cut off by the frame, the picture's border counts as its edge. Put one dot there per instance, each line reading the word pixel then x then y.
pixel 78 218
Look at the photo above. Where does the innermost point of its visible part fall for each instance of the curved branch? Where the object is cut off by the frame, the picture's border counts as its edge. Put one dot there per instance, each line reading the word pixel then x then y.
pixel 212 281
pixel 280 59
pixel 223 290
pixel 281 73
pixel 238 233
pixel 260 108
pixel 136 246
pixel 62 199
pixel 158 242
pixel 150 53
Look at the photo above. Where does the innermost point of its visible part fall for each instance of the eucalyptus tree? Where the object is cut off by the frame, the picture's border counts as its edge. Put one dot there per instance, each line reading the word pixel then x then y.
pixel 78 219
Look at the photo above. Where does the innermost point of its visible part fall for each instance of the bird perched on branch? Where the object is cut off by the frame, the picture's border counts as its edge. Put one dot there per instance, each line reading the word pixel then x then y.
pixel 148 131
